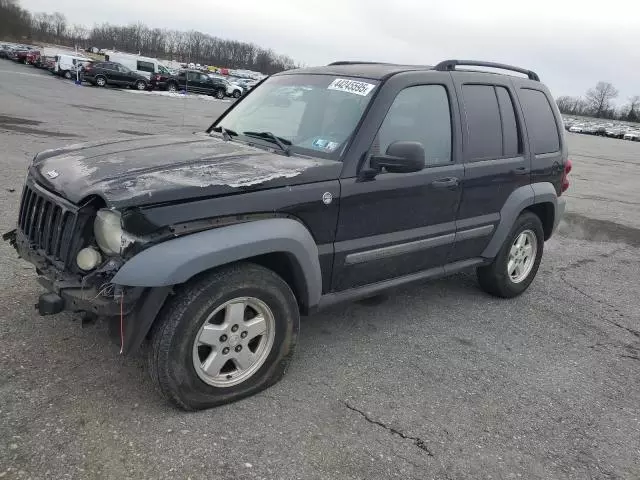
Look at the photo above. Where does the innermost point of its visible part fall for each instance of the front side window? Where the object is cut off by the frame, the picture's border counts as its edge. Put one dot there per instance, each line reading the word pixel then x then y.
pixel 419 114
pixel 312 114
pixel 193 76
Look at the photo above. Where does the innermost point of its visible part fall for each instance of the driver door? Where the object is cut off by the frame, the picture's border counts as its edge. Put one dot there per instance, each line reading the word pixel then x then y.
pixel 402 223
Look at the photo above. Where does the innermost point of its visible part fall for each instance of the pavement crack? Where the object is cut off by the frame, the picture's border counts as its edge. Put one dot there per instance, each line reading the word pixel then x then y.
pixel 417 441
pixel 633 357
pixel 632 331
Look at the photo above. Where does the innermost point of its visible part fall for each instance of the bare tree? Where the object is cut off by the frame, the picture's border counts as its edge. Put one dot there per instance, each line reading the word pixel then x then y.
pixel 632 113
pixel 599 98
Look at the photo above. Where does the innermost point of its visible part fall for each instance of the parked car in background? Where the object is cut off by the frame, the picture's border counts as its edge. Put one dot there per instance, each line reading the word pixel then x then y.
pixel 112 73
pixel 145 66
pixel 32 57
pixel 632 135
pixel 5 48
pixel 192 81
pixel 232 89
pixel 65 65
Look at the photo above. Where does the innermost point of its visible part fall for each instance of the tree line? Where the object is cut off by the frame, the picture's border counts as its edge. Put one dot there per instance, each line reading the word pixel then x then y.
pixel 18 24
pixel 598 102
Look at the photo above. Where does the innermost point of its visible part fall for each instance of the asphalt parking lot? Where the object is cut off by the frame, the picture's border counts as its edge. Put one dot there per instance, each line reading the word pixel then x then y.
pixel 436 380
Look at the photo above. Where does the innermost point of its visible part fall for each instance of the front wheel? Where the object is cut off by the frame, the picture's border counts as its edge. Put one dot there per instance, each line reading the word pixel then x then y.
pixel 237 94
pixel 224 336
pixel 517 262
pixel 140 85
pixel 67 74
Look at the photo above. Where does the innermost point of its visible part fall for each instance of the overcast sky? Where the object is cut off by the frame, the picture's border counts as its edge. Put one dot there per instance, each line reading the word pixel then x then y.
pixel 571 44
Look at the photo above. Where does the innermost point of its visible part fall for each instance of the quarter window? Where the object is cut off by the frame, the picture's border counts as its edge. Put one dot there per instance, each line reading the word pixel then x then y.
pixel 419 114
pixel 541 122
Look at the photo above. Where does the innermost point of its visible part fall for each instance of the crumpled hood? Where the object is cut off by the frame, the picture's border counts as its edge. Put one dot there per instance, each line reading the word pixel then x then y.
pixel 156 169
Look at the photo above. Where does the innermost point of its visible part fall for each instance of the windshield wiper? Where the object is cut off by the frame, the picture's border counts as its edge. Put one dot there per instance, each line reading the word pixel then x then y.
pixel 226 133
pixel 281 142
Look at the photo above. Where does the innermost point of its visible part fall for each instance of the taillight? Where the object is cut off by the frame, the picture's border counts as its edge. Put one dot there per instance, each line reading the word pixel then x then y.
pixel 158 78
pixel 565 176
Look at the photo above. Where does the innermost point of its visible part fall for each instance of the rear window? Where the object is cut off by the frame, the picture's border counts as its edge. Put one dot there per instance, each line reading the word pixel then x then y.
pixel 541 123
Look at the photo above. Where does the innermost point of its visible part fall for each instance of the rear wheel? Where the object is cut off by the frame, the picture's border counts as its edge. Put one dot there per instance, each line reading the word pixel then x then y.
pixel 220 94
pixel 224 336
pixel 517 262
pixel 172 87
pixel 67 74
pixel 101 81
pixel 140 85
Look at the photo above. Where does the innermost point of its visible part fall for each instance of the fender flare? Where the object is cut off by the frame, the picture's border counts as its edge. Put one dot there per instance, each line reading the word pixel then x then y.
pixel 176 261
pixel 521 198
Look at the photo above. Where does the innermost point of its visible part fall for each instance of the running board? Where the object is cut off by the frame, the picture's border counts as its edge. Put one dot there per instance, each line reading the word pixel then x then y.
pixel 365 291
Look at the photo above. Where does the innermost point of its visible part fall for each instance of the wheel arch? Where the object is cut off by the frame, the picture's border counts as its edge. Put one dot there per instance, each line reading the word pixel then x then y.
pixel 280 244
pixel 539 198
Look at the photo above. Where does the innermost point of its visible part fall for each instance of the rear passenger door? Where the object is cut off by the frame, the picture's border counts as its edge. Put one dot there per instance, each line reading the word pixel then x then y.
pixel 496 158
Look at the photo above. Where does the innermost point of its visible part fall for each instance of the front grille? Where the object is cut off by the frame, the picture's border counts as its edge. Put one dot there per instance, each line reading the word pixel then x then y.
pixel 49 223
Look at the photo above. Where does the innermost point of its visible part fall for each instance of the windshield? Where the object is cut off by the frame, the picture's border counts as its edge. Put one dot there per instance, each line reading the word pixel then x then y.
pixel 315 114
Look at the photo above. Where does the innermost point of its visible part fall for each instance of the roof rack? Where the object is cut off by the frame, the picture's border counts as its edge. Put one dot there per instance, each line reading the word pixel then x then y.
pixel 450 65
pixel 355 62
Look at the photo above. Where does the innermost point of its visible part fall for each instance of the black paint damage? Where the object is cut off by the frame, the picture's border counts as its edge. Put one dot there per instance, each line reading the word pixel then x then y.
pixel 160 169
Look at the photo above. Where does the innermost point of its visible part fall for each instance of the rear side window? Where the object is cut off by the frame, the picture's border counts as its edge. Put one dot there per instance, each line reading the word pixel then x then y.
pixel 511 143
pixel 541 123
pixel 483 122
pixel 146 67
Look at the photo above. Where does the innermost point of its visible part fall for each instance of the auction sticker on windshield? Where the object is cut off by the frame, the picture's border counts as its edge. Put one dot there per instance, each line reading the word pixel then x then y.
pixel 351 86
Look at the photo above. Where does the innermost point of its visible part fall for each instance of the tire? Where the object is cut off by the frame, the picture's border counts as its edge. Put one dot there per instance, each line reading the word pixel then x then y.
pixel 220 94
pixel 176 357
pixel 172 87
pixel 140 85
pixel 100 81
pixel 495 278
pixel 67 74
pixel 237 94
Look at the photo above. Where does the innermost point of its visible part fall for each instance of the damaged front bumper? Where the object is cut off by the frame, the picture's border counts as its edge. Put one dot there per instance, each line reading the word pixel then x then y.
pixel 92 295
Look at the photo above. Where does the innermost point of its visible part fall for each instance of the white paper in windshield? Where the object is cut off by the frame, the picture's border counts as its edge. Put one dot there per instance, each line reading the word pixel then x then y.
pixel 351 86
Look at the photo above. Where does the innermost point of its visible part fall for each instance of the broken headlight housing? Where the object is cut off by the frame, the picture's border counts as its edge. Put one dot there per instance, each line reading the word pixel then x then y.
pixel 108 231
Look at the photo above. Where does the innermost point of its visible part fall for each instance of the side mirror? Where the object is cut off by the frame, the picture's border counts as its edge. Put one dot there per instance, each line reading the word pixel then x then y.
pixel 401 157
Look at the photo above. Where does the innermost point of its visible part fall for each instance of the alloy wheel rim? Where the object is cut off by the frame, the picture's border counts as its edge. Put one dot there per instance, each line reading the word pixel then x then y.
pixel 522 256
pixel 234 342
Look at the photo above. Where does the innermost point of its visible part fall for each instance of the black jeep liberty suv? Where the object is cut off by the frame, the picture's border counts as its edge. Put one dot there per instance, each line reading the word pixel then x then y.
pixel 322 185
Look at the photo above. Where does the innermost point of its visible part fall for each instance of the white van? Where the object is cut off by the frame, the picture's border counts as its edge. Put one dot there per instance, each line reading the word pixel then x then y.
pixel 143 65
pixel 66 64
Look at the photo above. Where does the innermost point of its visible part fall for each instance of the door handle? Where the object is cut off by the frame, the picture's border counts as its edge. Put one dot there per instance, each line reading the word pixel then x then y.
pixel 521 171
pixel 449 182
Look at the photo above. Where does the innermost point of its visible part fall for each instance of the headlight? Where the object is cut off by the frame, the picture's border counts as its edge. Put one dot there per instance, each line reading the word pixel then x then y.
pixel 108 231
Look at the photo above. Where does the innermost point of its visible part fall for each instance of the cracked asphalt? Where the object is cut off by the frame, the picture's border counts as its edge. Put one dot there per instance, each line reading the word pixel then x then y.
pixel 434 381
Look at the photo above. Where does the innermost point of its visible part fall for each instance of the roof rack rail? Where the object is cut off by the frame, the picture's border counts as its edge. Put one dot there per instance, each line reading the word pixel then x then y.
pixel 355 62
pixel 449 65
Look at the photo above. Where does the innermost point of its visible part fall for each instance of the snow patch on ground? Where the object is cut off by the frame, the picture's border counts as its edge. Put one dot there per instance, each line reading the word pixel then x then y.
pixel 176 95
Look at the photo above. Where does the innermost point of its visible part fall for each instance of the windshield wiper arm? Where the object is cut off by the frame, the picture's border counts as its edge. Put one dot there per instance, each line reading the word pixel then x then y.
pixel 281 142
pixel 226 133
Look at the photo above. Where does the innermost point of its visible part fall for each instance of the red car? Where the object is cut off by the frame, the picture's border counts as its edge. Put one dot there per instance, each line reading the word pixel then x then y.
pixel 32 57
